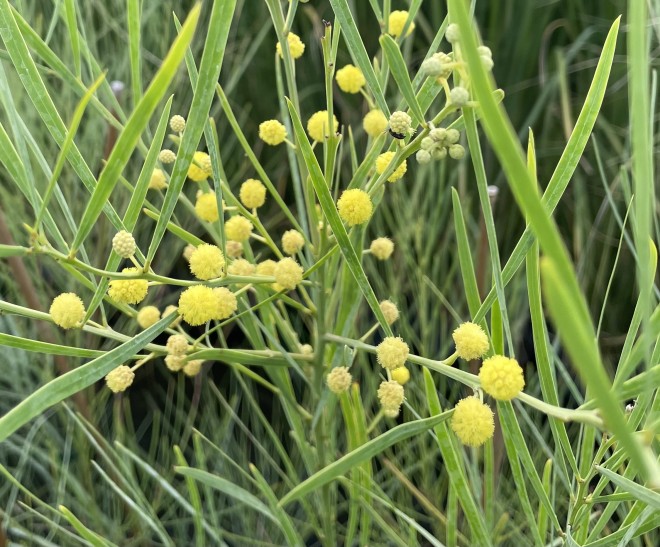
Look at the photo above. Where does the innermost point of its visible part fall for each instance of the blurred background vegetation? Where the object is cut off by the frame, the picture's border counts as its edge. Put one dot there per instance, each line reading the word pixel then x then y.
pixel 545 52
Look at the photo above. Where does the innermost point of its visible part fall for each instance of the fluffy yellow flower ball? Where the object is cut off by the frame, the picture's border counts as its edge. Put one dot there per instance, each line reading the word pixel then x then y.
pixel 238 228
pixel 396 22
pixel 317 125
pixel 207 262
pixel 392 352
pixel 390 311
pixel 128 291
pixel 391 395
pixel 234 249
pixel 382 248
pixel 355 206
pixel 206 207
pixel 157 180
pixel 272 132
pixel 374 123
pixel 67 310
pixel 192 368
pixel 241 266
pixel 350 79
pixel 382 163
pixel 198 305
pixel 177 123
pixel 252 193
pixel 200 168
pixel 119 379
pixel 266 268
pixel 177 344
pixel 339 380
pixel 501 377
pixel 292 242
pixel 296 46
pixel 471 341
pixel 147 316
pixel 175 363
pixel 225 301
pixel 472 421
pixel 288 273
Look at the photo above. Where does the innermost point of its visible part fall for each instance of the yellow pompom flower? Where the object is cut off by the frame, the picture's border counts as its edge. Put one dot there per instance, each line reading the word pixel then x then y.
pixel 382 248
pixel 241 266
pixel 471 341
pixel 177 344
pixel 350 79
pixel 272 132
pixel 252 193
pixel 225 301
pixel 67 310
pixel 292 242
pixel 175 362
pixel 396 22
pixel 383 161
pixel 234 249
pixel 119 379
pixel 392 352
pixel 128 291
pixel 206 207
pixel 266 268
pixel 391 395
pixel 390 311
pixel 192 368
pixel 288 273
pixel 296 46
pixel 401 375
pixel 355 206
pixel 317 125
pixel 238 228
pixel 472 421
pixel 157 180
pixel 339 380
pixel 501 377
pixel 198 305
pixel 169 310
pixel 200 168
pixel 207 262
pixel 374 123
pixel 147 316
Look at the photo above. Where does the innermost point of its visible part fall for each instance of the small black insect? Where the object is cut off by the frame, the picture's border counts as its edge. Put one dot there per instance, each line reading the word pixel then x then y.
pixel 399 136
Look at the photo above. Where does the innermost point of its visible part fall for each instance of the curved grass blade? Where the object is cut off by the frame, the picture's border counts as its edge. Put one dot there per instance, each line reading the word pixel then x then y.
pixel 570 310
pixel 73 381
pixel 400 72
pixel 227 487
pixel 362 454
pixel 358 51
pixel 643 494
pixel 568 161
pixel 330 211
pixel 138 120
pixel 209 71
pixel 26 344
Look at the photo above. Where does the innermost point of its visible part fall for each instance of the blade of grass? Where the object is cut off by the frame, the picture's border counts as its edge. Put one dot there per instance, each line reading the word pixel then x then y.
pixel 73 381
pixel 209 72
pixel 138 120
pixel 400 73
pixel 583 348
pixel 362 454
pixel 359 52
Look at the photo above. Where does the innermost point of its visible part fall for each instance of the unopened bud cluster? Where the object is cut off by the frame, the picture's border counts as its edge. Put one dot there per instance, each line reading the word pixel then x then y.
pixel 439 144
